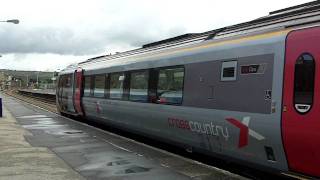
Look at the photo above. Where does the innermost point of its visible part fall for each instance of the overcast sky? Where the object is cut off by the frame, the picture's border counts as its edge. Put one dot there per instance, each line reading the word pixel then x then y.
pixel 53 34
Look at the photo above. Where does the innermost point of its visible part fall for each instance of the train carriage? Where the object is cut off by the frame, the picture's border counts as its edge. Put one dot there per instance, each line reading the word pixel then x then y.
pixel 247 92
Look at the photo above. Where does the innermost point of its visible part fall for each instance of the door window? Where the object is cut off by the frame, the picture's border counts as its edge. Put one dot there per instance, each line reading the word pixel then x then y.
pixel 304 77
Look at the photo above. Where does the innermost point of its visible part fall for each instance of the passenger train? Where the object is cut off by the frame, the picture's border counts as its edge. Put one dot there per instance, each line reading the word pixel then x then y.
pixel 247 93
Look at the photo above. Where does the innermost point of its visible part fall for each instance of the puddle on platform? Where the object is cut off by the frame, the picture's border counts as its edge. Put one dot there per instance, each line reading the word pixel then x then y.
pixel 104 161
pixel 73 132
pixel 43 119
pixel 66 131
pixel 32 116
pixel 112 163
pixel 51 126
pixel 47 122
pixel 133 169
pixel 117 163
pixel 42 126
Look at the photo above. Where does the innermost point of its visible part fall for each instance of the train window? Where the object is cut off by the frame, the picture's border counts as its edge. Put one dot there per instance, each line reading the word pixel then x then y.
pixel 170 86
pixel 87 86
pixel 139 86
pixel 229 71
pixel 304 77
pixel 99 84
pixel 116 85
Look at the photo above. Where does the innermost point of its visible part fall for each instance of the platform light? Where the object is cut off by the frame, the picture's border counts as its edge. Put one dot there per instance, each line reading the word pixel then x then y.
pixel 14 21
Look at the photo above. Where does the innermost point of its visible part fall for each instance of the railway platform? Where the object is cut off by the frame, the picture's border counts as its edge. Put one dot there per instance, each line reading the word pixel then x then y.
pixel 37 144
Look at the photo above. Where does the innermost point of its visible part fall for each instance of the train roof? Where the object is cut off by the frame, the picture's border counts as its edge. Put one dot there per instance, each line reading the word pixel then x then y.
pixel 296 16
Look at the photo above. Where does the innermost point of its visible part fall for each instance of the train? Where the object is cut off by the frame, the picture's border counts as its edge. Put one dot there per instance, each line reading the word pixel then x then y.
pixel 246 93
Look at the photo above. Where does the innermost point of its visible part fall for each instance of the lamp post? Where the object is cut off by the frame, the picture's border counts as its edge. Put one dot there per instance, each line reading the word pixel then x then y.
pixel 38 79
pixel 19 80
pixel 54 77
pixel 14 21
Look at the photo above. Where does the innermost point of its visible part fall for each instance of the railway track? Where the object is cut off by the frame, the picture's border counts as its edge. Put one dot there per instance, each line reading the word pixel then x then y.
pixel 46 103
pixel 209 161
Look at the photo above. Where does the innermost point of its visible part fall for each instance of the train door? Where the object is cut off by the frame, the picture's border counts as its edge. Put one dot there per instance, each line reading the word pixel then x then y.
pixel 78 91
pixel 301 106
pixel 62 93
pixel 68 92
pixel 65 93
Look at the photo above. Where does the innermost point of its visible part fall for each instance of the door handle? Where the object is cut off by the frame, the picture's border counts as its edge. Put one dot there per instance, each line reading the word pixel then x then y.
pixel 302 108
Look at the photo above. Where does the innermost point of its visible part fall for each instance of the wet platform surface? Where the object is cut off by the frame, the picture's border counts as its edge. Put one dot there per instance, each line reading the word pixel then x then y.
pixel 96 154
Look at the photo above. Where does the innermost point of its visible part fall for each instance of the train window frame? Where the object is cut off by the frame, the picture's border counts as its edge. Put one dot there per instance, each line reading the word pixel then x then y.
pixel 90 94
pixel 126 86
pixel 107 86
pixel 152 85
pixel 147 72
pixel 303 108
pixel 121 96
pixel 157 99
pixel 102 95
pixel 228 65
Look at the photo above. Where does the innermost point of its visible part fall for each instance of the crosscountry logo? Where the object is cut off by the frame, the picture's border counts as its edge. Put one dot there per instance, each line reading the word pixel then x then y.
pixel 245 131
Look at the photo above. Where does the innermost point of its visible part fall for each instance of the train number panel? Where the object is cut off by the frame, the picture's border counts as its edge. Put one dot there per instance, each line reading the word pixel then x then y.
pixel 301 101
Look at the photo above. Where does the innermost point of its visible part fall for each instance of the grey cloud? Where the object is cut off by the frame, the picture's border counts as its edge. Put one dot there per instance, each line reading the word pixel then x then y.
pixel 138 36
pixel 70 41
pixel 46 40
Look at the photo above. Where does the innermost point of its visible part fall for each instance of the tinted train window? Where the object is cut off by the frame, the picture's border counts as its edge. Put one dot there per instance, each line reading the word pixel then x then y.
pixel 99 84
pixel 170 85
pixel 87 86
pixel 304 77
pixel 116 85
pixel 139 86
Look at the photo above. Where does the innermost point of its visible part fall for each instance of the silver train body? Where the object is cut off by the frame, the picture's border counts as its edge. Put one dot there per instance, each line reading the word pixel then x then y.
pixel 207 100
pixel 222 96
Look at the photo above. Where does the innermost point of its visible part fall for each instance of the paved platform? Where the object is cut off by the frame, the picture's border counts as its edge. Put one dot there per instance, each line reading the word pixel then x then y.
pixel 20 160
pixel 36 144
